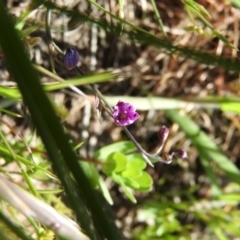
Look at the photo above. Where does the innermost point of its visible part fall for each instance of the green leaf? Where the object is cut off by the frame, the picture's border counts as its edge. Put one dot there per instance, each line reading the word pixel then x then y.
pixel 129 194
pixel 122 182
pixel 116 162
pixel 137 161
pixel 123 147
pixel 105 191
pixel 96 180
pixel 131 172
pixel 12 93
pixel 27 31
pixel 134 167
pixel 145 182
pixel 91 172
pixel 119 160
pixel 108 167
pixel 132 183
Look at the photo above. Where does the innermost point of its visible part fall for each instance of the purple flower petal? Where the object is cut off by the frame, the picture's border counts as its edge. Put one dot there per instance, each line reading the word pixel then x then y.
pixel 124 114
pixel 71 58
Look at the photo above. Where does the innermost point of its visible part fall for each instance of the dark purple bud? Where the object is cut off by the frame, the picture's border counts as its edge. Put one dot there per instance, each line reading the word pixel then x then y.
pixel 71 58
pixel 124 114
pixel 163 133
pixel 181 153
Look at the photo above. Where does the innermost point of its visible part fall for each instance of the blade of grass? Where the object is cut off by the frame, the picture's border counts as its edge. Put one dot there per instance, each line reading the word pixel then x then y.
pixel 5 152
pixel 14 227
pixel 78 81
pixel 25 175
pixel 229 104
pixel 13 93
pixel 157 14
pixel 216 189
pixel 81 80
pixel 10 113
pixel 10 93
pixel 157 103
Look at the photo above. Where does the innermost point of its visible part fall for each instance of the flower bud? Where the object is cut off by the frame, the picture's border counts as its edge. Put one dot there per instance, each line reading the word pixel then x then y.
pixel 163 133
pixel 71 58
pixel 181 153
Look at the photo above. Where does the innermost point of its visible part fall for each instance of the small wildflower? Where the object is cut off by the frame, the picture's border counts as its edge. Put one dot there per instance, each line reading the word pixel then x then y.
pixel 124 114
pixel 71 58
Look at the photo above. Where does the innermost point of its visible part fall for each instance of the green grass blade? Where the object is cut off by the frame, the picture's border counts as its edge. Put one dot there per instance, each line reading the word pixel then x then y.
pixel 25 175
pixel 78 81
pixel 159 103
pixel 227 104
pixel 14 227
pixel 13 93
pixel 157 14
pixel 10 113
pixel 10 93
pixel 5 153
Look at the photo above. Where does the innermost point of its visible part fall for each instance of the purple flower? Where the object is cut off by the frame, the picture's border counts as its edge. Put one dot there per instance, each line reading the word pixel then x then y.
pixel 71 58
pixel 124 114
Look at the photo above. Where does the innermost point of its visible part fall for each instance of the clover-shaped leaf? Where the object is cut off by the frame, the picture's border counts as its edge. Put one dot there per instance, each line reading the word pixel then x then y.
pixel 116 162
pixel 134 167
pixel 131 172
pixel 145 182
pixel 124 147
pixel 136 162
pixel 132 183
